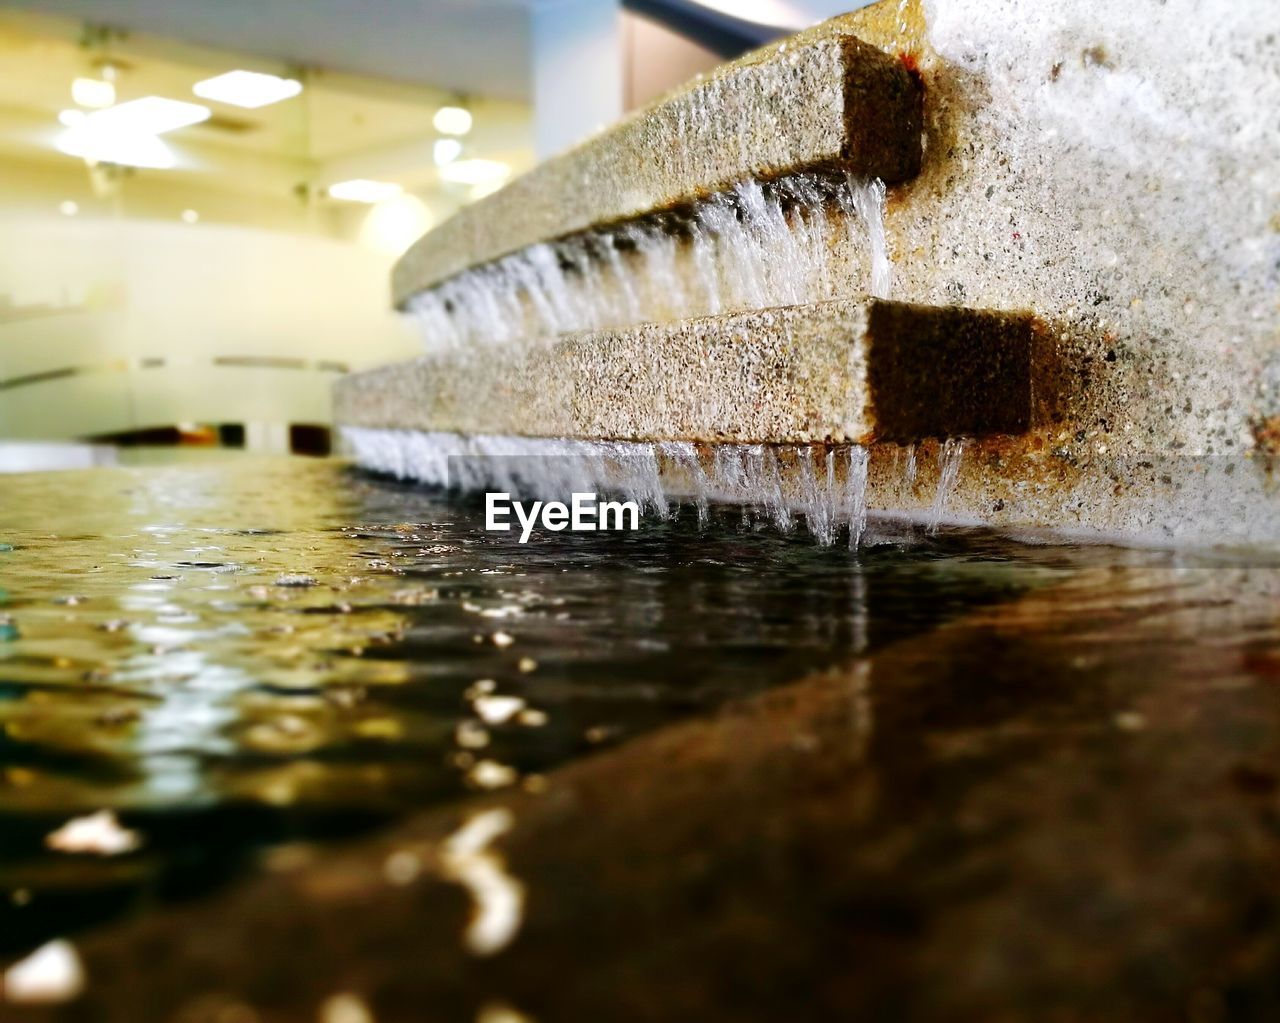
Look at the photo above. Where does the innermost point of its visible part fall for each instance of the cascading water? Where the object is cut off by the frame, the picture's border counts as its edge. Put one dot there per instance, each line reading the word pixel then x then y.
pixel 751 247
pixel 754 246
pixel 949 457
pixel 824 485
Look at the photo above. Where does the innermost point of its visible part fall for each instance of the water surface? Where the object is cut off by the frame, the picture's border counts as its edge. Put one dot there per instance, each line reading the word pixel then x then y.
pixel 241 653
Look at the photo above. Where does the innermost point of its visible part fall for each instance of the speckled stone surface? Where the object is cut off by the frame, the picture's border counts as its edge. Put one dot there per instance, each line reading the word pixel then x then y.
pixel 1115 170
pixel 837 371
pixel 833 101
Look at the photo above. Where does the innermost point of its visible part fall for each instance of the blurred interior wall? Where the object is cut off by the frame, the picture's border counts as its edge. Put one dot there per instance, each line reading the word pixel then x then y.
pixel 577 73
pixel 593 61
pixel 110 325
pixel 657 59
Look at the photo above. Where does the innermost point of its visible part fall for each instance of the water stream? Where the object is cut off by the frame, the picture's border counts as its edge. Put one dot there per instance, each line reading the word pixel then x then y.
pixel 824 486
pixel 754 246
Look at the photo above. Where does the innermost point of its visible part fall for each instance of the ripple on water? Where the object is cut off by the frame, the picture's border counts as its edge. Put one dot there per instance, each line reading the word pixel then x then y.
pixel 227 656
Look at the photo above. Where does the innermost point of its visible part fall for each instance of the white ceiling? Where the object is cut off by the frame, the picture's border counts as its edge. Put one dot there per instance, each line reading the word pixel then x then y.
pixel 479 47
pixel 341 126
pixel 472 46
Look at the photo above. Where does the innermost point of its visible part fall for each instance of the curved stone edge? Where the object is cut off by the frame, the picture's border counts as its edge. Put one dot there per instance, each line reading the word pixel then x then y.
pixel 831 102
pixel 842 371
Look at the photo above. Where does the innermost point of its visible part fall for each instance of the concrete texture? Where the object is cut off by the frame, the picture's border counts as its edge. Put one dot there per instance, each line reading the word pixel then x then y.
pixel 1117 172
pixel 1061 808
pixel 852 371
pixel 833 101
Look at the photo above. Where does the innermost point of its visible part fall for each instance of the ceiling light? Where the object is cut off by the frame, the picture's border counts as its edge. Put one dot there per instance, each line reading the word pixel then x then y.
pixel 772 13
pixel 475 172
pixel 394 224
pixel 452 120
pixel 93 92
pixel 364 190
pixel 248 89
pixel 68 208
pixel 190 216
pixel 125 148
pixel 446 151
pixel 150 115
pixel 70 118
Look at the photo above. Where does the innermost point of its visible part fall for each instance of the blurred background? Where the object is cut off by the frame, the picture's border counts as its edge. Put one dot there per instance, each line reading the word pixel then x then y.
pixel 200 202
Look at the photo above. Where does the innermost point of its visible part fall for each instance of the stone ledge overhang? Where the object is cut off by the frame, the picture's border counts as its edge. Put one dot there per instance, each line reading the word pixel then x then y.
pixel 830 103
pixel 858 370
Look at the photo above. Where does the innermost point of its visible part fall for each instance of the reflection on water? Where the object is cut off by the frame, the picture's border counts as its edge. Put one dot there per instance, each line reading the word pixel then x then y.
pixel 244 652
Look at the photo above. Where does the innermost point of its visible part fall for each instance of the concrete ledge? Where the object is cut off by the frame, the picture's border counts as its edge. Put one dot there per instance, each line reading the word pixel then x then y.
pixel 858 370
pixel 833 102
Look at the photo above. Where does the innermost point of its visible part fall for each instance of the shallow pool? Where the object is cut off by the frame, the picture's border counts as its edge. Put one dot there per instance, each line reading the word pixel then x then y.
pixel 241 653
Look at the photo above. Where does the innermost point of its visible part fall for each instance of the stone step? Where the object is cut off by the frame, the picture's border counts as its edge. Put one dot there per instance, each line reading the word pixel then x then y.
pixel 830 103
pixel 845 371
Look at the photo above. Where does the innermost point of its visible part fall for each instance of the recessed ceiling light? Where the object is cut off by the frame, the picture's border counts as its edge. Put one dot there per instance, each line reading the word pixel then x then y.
pixel 150 115
pixel 125 148
pixel 248 89
pixel 190 216
pixel 364 190
pixel 475 172
pixel 68 208
pixel 452 120
pixel 446 151
pixel 394 224
pixel 773 13
pixel 93 92
pixel 70 118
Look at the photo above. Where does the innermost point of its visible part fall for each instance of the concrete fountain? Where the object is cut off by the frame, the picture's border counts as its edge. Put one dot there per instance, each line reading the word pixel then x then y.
pixel 1045 238
pixel 959 261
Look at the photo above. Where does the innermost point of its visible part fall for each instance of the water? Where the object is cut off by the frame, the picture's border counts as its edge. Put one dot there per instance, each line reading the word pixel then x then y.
pixel 831 499
pixel 238 656
pixel 950 455
pixel 751 247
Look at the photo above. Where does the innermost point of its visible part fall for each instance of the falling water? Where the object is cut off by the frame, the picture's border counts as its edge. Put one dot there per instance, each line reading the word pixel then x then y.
pixel 827 485
pixel 866 199
pixel 949 457
pixel 684 454
pixel 750 247
pixel 755 476
pixel 856 482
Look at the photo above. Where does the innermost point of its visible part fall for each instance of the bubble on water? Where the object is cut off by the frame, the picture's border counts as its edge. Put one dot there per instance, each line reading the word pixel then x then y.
pixel 471 735
pixel 295 581
pixel 402 867
pixel 498 710
pixel 489 774
pixel 345 1008
pixel 98 834
pixel 51 974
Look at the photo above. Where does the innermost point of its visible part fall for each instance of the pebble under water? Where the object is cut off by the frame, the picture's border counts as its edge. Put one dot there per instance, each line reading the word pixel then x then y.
pixel 237 655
